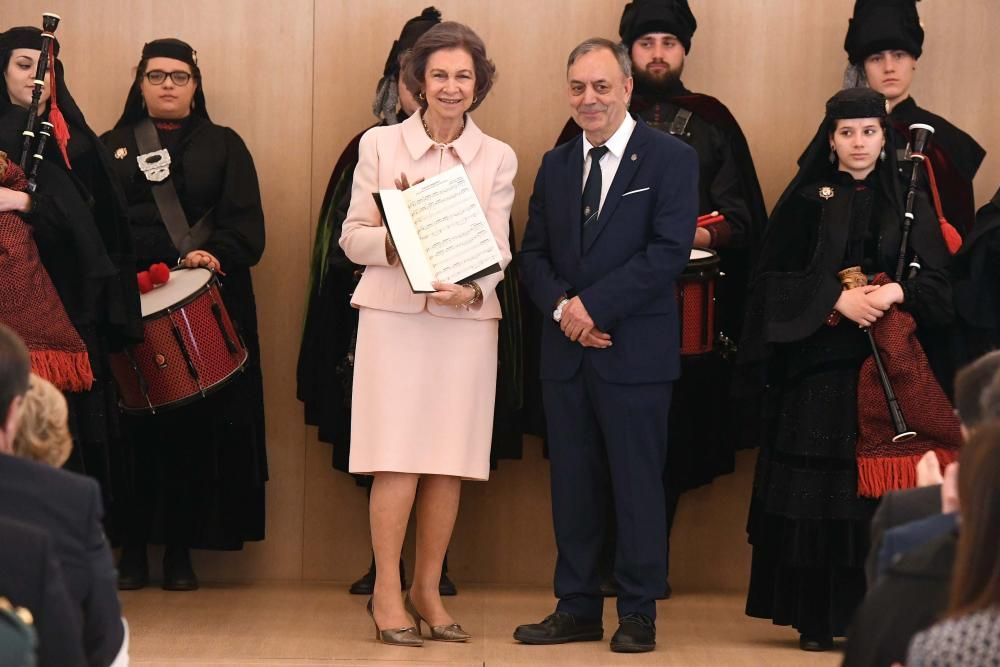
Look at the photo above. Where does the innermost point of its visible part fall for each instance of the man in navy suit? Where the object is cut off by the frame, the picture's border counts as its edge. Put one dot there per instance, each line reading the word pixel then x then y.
pixel 610 227
pixel 68 507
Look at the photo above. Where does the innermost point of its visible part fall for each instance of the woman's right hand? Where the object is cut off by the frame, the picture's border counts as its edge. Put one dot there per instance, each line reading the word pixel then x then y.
pixel 855 306
pixel 13 200
pixel 402 183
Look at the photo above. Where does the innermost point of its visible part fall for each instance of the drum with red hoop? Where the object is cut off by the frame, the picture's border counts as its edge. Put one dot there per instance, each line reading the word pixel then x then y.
pixel 696 302
pixel 190 349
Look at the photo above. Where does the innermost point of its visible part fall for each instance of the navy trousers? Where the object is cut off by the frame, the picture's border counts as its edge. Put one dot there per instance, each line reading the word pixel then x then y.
pixel 607 447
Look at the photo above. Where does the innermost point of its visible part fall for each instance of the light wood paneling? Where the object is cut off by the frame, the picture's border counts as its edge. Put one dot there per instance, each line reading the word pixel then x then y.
pixel 296 80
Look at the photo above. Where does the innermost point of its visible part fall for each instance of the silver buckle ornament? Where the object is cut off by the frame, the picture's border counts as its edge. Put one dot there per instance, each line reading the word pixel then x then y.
pixel 155 165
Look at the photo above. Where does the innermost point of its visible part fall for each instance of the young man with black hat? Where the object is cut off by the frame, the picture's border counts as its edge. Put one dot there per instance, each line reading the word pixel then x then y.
pixel 705 425
pixel 884 41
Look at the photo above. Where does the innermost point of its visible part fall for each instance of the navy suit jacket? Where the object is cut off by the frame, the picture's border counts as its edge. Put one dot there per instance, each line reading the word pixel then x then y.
pixel 68 507
pixel 30 577
pixel 624 267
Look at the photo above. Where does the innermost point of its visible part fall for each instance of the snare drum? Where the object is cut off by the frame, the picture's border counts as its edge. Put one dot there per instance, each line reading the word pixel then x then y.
pixel 696 302
pixel 190 347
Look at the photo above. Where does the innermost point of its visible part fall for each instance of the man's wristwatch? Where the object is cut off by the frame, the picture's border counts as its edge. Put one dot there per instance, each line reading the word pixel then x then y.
pixel 557 313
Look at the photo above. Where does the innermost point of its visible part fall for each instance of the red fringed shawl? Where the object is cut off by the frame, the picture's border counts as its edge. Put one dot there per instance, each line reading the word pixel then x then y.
pixel 29 303
pixel 884 465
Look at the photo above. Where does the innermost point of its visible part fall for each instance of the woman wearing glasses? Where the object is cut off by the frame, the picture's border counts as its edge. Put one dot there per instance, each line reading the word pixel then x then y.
pixel 196 472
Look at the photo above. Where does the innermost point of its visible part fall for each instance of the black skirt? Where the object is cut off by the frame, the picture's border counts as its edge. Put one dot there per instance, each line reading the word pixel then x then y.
pixel 807 525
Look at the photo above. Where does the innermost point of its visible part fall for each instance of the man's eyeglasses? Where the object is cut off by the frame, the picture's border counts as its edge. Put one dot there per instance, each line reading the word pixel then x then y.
pixel 157 77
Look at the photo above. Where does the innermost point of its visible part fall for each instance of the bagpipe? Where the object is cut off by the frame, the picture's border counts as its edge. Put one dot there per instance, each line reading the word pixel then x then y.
pixel 32 150
pixel 888 446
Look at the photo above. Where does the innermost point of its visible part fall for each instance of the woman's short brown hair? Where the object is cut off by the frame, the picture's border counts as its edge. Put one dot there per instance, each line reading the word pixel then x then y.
pixel 43 434
pixel 448 35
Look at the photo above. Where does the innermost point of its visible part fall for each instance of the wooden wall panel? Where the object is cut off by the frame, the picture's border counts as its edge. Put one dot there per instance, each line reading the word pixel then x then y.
pixel 296 80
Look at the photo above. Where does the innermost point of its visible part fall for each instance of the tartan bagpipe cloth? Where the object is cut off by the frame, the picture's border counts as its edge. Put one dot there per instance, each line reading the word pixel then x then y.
pixel 884 465
pixel 29 303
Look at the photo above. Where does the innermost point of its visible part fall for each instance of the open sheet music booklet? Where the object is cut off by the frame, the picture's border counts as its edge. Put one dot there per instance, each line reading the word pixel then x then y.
pixel 440 230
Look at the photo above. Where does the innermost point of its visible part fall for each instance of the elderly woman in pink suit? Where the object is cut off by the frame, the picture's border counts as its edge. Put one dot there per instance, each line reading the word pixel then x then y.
pixel 426 364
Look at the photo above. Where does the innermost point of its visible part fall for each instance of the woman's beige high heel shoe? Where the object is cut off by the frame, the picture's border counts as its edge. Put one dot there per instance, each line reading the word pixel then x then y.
pixel 399 637
pixel 439 633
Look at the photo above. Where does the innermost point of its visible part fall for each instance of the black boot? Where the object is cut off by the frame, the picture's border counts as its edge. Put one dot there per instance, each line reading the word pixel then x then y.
pixel 366 584
pixel 133 567
pixel 446 586
pixel 178 573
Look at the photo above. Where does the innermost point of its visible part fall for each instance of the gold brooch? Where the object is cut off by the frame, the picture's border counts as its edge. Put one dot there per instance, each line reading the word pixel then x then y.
pixel 121 153
pixel 826 192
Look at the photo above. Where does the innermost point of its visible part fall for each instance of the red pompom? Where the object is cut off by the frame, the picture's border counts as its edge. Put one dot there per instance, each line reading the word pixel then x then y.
pixel 160 273
pixel 145 282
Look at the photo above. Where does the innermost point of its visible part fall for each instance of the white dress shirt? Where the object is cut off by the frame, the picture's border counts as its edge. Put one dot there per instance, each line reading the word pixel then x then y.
pixel 609 161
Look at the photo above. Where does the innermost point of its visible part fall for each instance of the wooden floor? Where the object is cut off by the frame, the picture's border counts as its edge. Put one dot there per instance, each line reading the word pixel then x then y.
pixel 313 625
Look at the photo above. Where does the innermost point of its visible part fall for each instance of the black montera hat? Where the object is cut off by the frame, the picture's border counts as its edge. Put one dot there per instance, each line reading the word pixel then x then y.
pixel 879 25
pixel 645 16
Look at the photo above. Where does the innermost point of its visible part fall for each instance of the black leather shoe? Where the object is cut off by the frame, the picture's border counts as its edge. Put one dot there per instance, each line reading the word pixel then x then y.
pixel 636 634
pixel 366 584
pixel 133 568
pixel 815 643
pixel 178 573
pixel 560 628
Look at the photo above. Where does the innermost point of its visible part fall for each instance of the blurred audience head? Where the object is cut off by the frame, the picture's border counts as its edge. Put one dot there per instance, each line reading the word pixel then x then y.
pixel 989 402
pixel 976 579
pixel 971 385
pixel 44 432
pixel 15 366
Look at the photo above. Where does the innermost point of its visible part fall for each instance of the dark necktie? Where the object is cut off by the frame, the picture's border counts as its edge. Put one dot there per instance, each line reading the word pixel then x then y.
pixel 592 188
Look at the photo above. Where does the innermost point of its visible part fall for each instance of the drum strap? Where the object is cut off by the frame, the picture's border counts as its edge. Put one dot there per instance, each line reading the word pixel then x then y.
pixel 184 236
pixel 679 125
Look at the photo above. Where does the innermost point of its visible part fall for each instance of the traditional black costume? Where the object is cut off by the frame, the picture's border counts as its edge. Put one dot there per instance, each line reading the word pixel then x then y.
pixel 808 525
pixel 197 473
pixel 80 225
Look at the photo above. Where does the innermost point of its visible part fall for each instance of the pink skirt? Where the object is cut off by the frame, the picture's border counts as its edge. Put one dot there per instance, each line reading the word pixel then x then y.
pixel 424 391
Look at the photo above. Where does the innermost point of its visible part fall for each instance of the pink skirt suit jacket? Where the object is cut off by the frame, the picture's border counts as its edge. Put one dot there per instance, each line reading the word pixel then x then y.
pixel 424 374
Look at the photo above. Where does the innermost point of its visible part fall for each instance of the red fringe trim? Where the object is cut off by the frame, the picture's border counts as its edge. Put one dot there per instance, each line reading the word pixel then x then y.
pixel 878 476
pixel 69 371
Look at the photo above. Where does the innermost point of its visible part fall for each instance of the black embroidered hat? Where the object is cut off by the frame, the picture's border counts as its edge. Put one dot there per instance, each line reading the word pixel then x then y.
pixel 880 25
pixel 641 17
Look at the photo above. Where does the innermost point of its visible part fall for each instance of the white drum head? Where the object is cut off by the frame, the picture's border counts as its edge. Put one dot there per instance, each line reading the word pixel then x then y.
pixel 182 284
pixel 698 253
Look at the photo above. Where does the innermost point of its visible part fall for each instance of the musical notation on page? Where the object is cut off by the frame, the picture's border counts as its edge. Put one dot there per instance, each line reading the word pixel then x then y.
pixel 440 231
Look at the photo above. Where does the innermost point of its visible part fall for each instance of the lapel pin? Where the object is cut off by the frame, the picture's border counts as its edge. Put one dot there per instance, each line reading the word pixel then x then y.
pixel 634 157
pixel 826 192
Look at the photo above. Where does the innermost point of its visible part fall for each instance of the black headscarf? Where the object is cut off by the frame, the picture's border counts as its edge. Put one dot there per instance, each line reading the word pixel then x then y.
pixel 880 25
pixel 81 138
pixel 641 17
pixel 814 163
pixel 387 90
pixel 135 108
